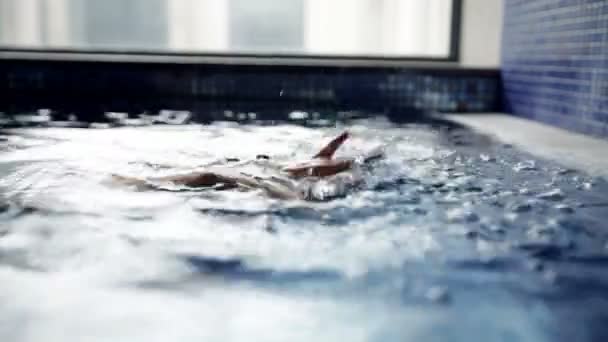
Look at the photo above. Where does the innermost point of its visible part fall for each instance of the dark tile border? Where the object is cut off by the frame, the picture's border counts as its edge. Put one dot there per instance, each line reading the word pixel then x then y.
pixel 134 84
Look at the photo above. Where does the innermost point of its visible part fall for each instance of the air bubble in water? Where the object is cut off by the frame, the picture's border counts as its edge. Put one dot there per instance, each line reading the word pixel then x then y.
pixel 564 208
pixel 419 211
pixel 486 158
pixel 564 171
pixel 438 294
pixel 298 115
pixel 525 191
pixel 461 215
pixel 528 165
pixel 520 207
pixel 553 195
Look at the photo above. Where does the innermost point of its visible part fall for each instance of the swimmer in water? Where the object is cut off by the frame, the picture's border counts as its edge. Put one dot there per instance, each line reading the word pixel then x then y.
pixel 290 182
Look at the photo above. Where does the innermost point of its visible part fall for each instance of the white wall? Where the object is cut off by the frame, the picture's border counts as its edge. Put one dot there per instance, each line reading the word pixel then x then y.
pixel 481 33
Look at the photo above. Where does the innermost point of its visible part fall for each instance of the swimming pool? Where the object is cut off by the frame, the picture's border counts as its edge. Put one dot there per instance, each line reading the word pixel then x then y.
pixel 454 237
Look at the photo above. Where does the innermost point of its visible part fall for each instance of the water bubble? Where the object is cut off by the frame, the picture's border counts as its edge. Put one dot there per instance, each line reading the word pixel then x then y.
pixel 570 223
pixel 535 265
pixel 564 171
pixel 411 200
pixel 450 186
pixel 474 188
pixel 528 165
pixel 550 276
pixel 486 158
pixel 100 125
pixel 456 175
pixel 298 115
pixel 525 191
pixel 438 294
pixel 450 198
pixel 509 218
pixel 494 228
pixel 422 189
pixel 506 193
pixel 543 250
pixel 585 186
pixel 419 211
pixel 461 215
pixel 437 184
pixel 520 207
pixel 540 232
pixel 4 206
pixel 471 234
pixel 552 195
pixel 496 202
pixel 564 208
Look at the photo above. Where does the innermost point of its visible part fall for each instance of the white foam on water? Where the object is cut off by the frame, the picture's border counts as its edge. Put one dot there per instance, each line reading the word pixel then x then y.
pixel 76 267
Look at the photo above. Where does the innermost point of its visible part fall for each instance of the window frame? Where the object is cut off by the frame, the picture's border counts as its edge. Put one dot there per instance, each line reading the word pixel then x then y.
pixel 15 51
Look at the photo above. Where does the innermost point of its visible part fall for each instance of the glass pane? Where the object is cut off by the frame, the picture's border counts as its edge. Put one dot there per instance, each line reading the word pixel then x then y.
pixel 390 28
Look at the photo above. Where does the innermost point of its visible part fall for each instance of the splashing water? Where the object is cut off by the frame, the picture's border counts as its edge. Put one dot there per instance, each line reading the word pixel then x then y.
pixel 441 242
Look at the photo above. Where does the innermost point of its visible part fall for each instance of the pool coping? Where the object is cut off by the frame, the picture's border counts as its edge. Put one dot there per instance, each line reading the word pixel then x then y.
pixel 571 149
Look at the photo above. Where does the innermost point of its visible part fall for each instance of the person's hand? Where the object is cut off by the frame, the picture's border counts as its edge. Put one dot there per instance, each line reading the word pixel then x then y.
pixel 322 164
pixel 328 151
pixel 319 168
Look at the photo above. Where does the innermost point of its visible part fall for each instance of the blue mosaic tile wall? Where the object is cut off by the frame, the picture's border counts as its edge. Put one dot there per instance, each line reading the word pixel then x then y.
pixel 92 88
pixel 555 62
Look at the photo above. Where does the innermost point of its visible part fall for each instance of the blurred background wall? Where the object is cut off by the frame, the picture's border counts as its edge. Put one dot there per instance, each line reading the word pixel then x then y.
pixel 480 36
pixel 555 62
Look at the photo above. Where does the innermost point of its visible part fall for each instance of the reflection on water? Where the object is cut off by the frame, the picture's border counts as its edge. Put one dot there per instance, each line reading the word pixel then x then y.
pixel 450 240
pixel 315 27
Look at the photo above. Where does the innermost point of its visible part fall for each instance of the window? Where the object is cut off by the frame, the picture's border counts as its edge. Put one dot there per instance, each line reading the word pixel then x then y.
pixel 346 28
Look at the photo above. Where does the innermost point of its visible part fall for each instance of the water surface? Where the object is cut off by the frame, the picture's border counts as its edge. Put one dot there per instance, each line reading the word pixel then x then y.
pixel 454 237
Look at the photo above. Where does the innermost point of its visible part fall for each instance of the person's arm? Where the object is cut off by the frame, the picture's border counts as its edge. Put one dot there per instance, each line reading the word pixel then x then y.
pixel 330 167
pixel 193 179
pixel 322 168
pixel 328 151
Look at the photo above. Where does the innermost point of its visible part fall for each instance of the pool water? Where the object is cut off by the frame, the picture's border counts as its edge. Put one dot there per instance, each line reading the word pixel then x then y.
pixel 453 237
